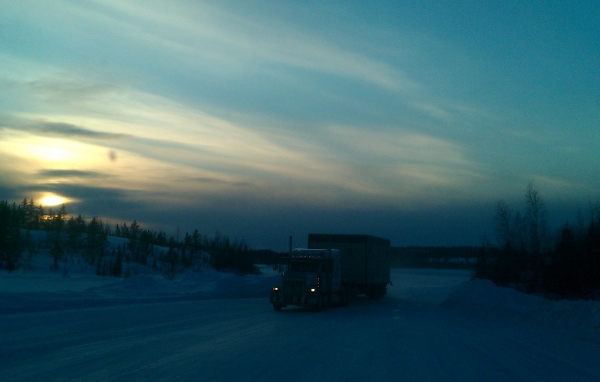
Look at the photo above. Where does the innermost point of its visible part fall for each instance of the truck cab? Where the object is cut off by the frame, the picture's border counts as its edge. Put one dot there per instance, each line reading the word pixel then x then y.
pixel 309 277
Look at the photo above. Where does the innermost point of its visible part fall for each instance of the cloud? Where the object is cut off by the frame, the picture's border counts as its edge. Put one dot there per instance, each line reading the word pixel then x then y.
pixel 68 130
pixel 58 129
pixel 206 180
pixel 564 188
pixel 60 87
pixel 394 156
pixel 69 174
pixel 36 86
pixel 199 33
pixel 434 111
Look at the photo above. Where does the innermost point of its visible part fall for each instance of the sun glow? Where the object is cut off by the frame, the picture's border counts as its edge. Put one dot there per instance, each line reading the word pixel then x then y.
pixel 53 154
pixel 52 200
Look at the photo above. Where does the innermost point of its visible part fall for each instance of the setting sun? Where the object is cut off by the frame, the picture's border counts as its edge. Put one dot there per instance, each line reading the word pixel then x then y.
pixel 53 200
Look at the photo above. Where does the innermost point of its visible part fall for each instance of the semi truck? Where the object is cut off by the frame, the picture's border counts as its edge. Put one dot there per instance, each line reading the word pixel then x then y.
pixel 332 270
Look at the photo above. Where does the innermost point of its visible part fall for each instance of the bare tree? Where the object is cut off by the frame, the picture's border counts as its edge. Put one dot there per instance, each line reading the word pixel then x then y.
pixel 536 219
pixel 520 232
pixel 502 221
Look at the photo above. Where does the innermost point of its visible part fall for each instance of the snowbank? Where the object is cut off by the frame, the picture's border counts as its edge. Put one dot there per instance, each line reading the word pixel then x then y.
pixel 488 301
pixel 44 290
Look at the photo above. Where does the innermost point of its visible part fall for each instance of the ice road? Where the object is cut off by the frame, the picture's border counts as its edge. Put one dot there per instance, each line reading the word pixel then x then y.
pixel 432 326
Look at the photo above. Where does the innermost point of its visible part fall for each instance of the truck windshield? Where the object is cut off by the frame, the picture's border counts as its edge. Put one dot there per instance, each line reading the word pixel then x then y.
pixel 304 266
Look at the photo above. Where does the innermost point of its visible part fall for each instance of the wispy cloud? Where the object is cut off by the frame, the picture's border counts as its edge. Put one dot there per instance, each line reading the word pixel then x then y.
pixel 206 180
pixel 204 32
pixel 71 131
pixel 46 173
pixel 434 111
pixel 61 87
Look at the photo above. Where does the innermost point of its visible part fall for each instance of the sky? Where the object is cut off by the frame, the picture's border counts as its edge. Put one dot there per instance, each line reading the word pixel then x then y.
pixel 260 120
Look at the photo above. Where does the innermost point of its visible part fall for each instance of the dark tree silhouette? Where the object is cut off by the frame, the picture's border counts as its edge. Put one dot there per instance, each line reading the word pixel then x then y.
pixel 10 236
pixel 527 261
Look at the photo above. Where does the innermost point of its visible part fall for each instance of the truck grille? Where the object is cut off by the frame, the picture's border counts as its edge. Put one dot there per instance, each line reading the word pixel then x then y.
pixel 292 287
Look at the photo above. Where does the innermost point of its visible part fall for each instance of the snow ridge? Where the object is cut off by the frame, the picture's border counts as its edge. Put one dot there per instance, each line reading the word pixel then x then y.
pixel 485 299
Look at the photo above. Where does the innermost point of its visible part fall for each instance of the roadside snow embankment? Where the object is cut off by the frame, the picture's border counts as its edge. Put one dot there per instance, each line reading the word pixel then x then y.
pixel 486 300
pixel 36 291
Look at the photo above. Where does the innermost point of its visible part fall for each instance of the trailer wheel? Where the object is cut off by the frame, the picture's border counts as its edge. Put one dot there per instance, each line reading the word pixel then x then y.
pixel 344 297
pixel 377 292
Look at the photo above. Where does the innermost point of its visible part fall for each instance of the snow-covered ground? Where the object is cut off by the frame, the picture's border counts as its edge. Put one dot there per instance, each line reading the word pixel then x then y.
pixel 433 325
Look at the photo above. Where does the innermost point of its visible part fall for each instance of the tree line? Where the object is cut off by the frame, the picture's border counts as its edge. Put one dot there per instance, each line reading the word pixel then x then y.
pixel 533 258
pixel 68 238
pixel 457 257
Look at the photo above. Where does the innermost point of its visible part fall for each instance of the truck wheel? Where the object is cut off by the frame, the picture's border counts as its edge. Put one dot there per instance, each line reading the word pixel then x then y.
pixel 276 307
pixel 319 306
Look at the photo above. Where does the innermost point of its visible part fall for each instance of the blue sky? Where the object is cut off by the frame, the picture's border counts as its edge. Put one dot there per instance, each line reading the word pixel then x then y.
pixel 407 120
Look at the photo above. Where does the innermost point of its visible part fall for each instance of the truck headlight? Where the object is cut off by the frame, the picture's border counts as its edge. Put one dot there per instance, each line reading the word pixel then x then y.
pixel 275 289
pixel 313 290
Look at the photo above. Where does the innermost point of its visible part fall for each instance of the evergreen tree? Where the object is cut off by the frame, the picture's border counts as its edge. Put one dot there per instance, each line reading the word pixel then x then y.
pixel 134 232
pixel 10 236
pixel 116 268
pixel 172 258
pixel 96 241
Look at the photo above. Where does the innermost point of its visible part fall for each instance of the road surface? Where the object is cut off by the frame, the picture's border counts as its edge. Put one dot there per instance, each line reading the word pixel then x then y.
pixel 407 336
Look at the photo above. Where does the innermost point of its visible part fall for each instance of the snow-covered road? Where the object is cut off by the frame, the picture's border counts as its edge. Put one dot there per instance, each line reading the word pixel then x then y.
pixel 416 333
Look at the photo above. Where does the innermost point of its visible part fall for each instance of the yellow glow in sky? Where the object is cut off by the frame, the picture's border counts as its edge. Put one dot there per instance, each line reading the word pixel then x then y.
pixel 52 200
pixel 50 154
pixel 45 150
